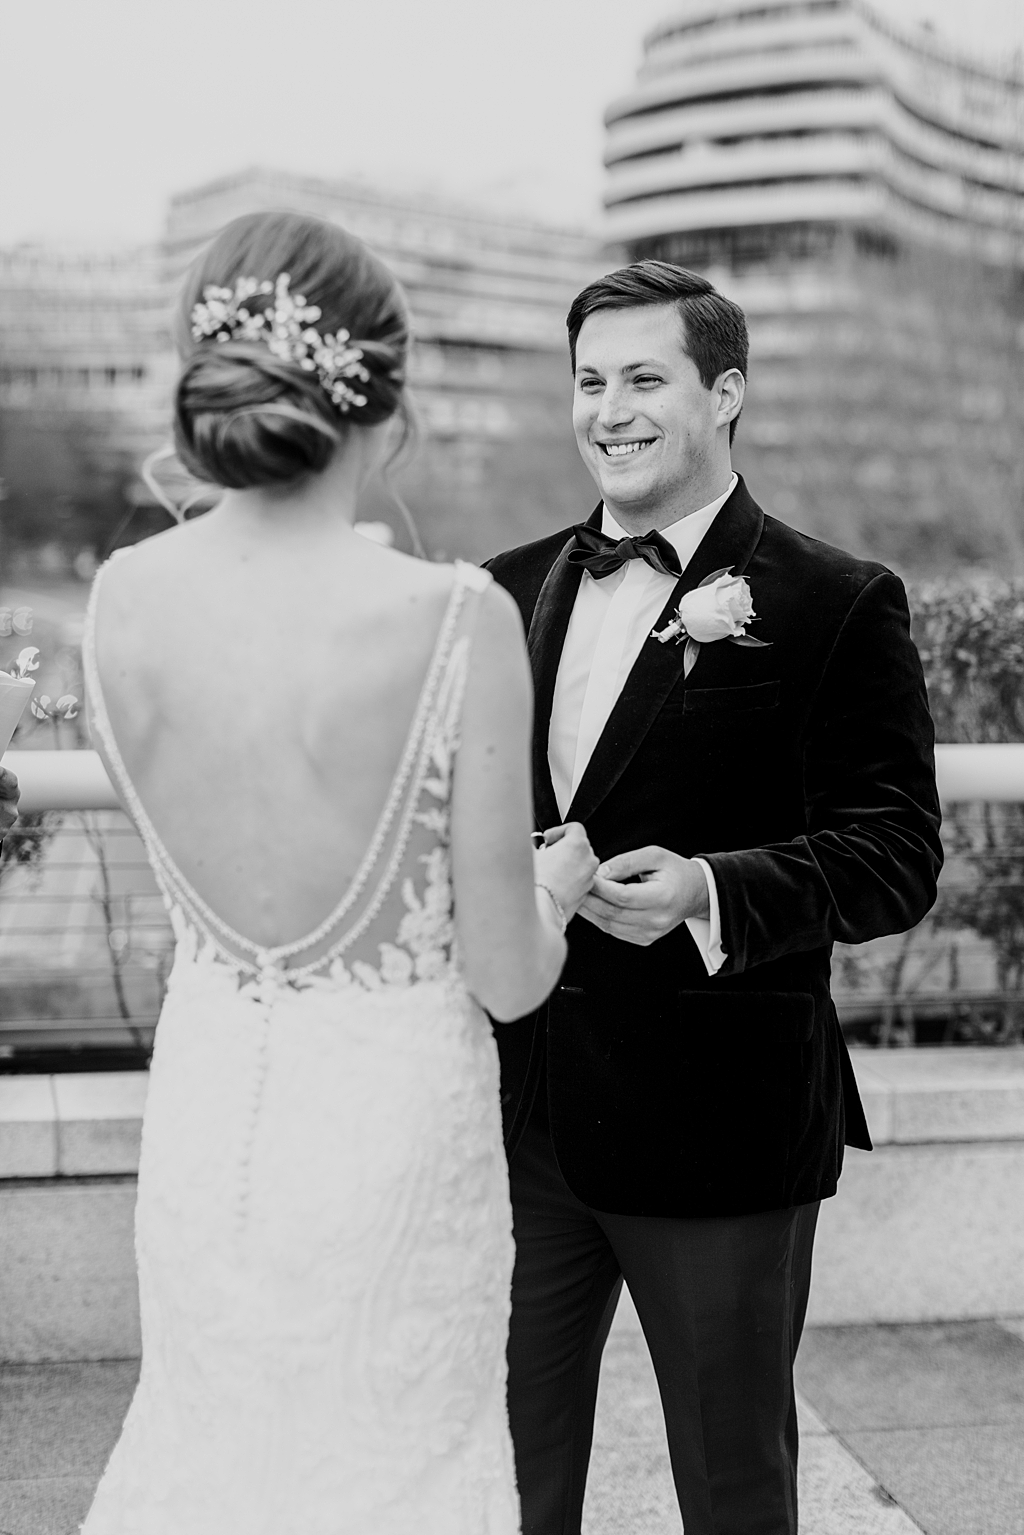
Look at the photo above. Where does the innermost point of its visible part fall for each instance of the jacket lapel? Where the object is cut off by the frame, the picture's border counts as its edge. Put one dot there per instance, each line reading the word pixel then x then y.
pixel 548 628
pixel 730 541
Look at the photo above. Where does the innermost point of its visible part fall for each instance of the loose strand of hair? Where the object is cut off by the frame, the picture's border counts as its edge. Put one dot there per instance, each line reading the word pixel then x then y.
pixel 147 473
pixel 405 447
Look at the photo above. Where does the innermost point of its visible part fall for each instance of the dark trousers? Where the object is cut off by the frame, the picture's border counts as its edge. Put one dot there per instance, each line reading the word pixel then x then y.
pixel 722 1303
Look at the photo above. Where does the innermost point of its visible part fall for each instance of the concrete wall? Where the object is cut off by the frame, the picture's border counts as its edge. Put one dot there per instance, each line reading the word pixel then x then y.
pixel 69 1150
pixel 930 1226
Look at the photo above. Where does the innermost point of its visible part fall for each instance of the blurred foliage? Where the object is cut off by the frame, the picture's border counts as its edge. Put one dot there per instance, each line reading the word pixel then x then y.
pixel 23 847
pixel 65 483
pixel 971 638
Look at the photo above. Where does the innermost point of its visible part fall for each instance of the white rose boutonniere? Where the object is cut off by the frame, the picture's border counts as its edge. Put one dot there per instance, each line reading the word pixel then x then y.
pixel 718 609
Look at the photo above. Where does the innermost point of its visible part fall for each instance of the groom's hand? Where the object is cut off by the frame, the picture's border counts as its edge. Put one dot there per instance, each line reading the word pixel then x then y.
pixel 669 889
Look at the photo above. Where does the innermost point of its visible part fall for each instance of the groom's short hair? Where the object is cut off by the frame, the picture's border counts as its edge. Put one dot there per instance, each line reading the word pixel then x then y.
pixel 714 328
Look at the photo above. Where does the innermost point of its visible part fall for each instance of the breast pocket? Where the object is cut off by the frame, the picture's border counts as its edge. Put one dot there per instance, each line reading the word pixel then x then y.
pixel 758 695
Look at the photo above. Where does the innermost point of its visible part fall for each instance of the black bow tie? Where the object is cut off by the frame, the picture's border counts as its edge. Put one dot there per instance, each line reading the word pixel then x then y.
pixel 602 555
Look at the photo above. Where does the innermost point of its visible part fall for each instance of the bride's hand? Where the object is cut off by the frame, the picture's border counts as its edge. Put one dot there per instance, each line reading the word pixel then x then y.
pixel 566 864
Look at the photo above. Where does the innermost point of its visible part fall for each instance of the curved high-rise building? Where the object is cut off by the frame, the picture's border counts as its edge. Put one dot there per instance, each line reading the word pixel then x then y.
pixel 759 127
pixel 860 192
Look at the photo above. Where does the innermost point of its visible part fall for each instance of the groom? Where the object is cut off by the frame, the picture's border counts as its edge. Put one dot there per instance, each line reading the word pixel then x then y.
pixel 680 1106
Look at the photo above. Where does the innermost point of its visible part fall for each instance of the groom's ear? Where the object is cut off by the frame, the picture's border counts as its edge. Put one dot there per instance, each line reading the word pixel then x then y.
pixel 731 388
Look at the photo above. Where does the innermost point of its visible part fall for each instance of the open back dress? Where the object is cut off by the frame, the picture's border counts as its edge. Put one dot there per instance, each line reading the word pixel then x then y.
pixel 323 1228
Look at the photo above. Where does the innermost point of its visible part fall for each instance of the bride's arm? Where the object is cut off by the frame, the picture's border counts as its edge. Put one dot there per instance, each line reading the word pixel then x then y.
pixel 511 942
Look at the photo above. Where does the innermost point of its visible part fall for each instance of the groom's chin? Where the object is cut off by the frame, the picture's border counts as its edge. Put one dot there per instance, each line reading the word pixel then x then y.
pixel 615 487
pixel 633 500
pixel 625 486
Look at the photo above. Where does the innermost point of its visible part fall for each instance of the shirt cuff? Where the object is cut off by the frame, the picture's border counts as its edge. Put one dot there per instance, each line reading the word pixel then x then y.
pixel 706 932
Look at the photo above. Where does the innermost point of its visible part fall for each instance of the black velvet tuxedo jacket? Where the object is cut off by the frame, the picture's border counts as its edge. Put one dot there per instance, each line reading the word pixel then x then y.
pixel 804 774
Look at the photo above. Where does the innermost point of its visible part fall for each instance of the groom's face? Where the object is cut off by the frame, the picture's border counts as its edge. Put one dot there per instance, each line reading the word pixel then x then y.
pixel 645 424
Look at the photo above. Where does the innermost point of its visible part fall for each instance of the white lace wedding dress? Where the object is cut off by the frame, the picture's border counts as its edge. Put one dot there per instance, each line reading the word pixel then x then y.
pixel 323 1227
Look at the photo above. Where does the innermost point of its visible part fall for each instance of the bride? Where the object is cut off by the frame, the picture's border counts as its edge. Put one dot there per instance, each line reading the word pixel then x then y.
pixel 324 745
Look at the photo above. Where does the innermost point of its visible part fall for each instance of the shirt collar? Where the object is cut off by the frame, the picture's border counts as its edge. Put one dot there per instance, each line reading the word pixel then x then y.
pixel 684 535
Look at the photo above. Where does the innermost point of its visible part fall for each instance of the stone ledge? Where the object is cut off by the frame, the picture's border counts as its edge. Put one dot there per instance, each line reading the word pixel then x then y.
pixel 941 1093
pixel 924 1233
pixel 99 1121
pixel 77 1124
pixel 929 1228
pixel 90 1122
pixel 28 1128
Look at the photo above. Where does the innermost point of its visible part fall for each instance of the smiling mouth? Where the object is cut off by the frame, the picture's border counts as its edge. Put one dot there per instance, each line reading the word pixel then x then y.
pixel 624 449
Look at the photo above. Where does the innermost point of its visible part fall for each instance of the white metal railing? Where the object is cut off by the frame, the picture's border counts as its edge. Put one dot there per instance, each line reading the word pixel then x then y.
pixel 77 780
pixel 58 780
pixel 985 772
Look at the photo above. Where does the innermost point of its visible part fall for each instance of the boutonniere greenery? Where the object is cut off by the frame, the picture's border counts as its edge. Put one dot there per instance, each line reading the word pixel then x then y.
pixel 720 608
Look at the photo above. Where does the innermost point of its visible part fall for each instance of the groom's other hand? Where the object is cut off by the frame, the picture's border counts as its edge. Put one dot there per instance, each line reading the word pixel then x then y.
pixel 663 889
pixel 9 795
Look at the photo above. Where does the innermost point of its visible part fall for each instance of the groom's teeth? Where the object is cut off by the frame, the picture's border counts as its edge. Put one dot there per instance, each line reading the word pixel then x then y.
pixel 620 449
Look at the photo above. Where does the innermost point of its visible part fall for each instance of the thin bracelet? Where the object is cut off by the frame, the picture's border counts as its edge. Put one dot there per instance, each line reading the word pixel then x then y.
pixel 563 920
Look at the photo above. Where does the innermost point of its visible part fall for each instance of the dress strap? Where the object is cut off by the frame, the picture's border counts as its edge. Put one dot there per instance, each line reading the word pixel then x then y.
pixel 473 577
pixel 397 815
pixel 448 712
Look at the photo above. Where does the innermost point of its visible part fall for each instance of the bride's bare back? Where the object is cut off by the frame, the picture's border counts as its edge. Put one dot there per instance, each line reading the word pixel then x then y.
pixel 260 690
pixel 261 676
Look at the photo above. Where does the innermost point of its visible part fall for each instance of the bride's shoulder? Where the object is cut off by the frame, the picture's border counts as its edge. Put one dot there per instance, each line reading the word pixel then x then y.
pixel 499 643
pixel 136 581
pixel 472 576
pixel 492 616
pixel 439 580
pixel 138 562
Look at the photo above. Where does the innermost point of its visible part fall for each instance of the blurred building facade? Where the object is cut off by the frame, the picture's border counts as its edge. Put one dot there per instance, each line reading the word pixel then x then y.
pixel 84 378
pixel 490 375
pixel 87 368
pixel 860 191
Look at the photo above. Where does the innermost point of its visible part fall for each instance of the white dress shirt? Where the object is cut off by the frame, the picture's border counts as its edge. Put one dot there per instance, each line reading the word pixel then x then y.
pixel 610 621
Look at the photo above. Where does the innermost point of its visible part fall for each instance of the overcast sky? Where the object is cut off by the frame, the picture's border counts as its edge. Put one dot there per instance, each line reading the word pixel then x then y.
pixel 108 106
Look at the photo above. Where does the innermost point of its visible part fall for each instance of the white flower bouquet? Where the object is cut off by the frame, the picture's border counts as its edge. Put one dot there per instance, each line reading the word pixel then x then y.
pixel 17 684
pixel 16 688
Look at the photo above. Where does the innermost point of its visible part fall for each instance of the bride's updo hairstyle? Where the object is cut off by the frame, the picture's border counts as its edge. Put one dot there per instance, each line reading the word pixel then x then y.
pixel 244 417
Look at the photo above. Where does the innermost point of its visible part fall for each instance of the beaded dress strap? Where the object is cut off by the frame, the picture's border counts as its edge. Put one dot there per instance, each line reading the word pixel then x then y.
pixel 399 806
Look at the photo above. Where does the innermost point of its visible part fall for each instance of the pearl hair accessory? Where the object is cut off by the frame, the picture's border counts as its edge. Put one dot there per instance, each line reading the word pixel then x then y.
pixel 285 327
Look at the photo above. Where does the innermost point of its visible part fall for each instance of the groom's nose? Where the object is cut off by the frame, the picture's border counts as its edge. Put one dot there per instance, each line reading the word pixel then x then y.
pixel 616 408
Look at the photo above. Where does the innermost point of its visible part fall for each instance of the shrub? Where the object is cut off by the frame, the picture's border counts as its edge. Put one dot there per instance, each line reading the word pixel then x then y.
pixel 971 638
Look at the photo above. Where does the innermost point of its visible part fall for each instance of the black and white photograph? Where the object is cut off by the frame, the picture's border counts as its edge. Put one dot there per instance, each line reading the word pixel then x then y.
pixel 512 767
